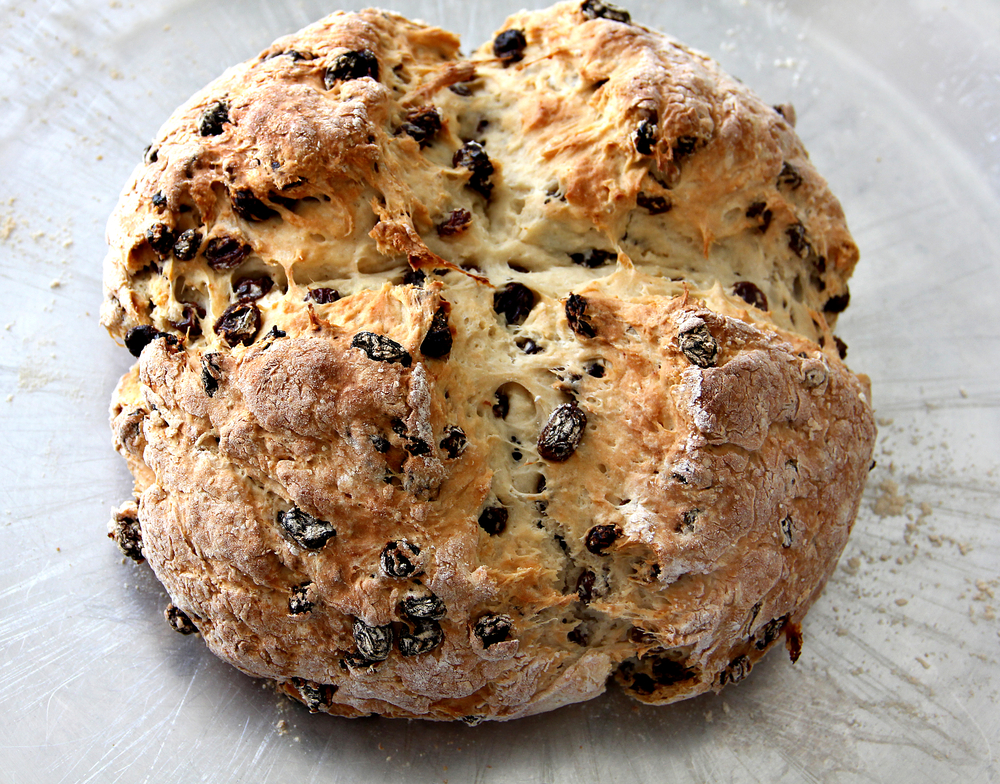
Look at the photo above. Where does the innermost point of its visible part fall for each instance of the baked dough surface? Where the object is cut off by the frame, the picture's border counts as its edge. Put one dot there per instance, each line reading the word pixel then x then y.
pixel 465 384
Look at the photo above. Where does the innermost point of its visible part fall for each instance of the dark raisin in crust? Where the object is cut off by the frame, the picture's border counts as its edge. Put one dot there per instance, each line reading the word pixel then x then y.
pixel 423 124
pixel 373 642
pixel 351 65
pixel 579 322
pixel 179 620
pixel 509 46
pixel 563 433
pixel 223 253
pixel 493 520
pixel 472 156
pixel 213 118
pixel 239 324
pixel 397 559
pixel 601 537
pixel 596 9
pixel 491 629
pixel 305 529
pixel 514 302
pixel 750 294
pixel 379 348
pixel 698 345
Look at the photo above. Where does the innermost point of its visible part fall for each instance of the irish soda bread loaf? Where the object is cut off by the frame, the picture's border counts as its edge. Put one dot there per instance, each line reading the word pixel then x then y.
pixel 465 384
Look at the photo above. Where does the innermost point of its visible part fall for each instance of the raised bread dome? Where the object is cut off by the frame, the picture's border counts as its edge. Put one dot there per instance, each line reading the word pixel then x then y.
pixel 465 384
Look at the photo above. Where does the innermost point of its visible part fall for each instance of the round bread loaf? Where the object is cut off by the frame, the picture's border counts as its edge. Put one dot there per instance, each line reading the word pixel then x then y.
pixel 465 384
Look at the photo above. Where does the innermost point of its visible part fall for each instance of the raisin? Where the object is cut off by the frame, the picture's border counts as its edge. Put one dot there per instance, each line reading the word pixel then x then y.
pixel 299 603
pixel 750 294
pixel 159 200
pixel 137 338
pixel 187 245
pixel 423 124
pixel 315 696
pixel 179 620
pixel 397 559
pixel 528 346
pixel 514 301
pixel 667 671
pixel 212 119
pixel 438 340
pixel 688 519
pixel 596 370
pixel 305 529
pixel 683 147
pixel 373 642
pixel 160 238
pixel 247 206
pixel 424 607
pixel 759 211
pixel 645 137
pixel 579 636
pixel 789 176
pixel 493 520
pixel 414 277
pixel 593 258
pixel 454 441
pixel 239 324
pixel 737 670
pixel 210 374
pixel 585 586
pixel 771 631
pixel 225 253
pixel 509 46
pixel 398 426
pixel 786 531
pixel 457 222
pixel 643 684
pixel 425 637
pixel 563 433
pixel 322 296
pixel 596 9
pixel 472 156
pixel 380 443
pixel 416 447
pixel 601 537
pixel 797 241
pixel 837 303
pixel 491 629
pixel 189 325
pixel 351 65
pixel 128 536
pixel 354 661
pixel 698 345
pixel 379 348
pixel 502 407
pixel 841 347
pixel 576 308
pixel 253 289
pixel 654 205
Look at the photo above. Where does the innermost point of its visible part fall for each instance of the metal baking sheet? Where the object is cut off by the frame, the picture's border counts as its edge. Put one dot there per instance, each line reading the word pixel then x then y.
pixel 899 104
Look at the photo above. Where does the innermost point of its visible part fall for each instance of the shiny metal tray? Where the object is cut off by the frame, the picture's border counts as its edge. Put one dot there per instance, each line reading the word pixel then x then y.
pixel 899 104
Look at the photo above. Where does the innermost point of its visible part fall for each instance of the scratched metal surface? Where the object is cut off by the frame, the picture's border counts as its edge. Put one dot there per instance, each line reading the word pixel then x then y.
pixel 898 103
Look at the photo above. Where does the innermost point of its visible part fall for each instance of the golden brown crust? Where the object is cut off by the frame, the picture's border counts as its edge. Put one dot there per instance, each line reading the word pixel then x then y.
pixel 605 431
